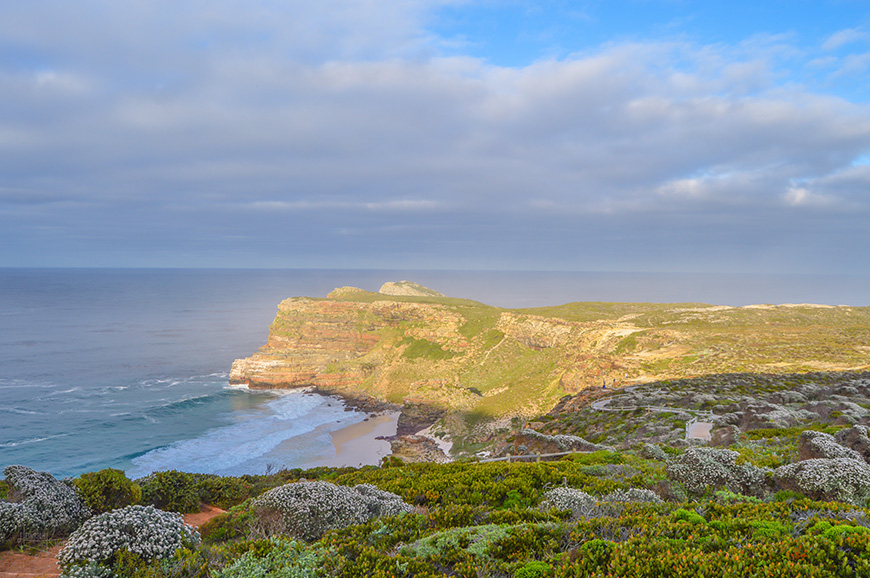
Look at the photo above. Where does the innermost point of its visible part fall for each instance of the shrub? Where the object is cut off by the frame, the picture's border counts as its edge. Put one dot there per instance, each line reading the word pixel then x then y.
pixel 596 553
pixel 476 540
pixel 281 559
pixel 229 526
pixel 578 502
pixel 533 569
pixel 726 497
pixel 223 492
pixel 833 532
pixel 43 507
pixel 380 503
pixel 768 529
pixel 140 530
pixel 107 490
pixel 842 479
pixel 306 510
pixel 653 452
pixel 683 515
pixel 171 491
pixel 703 469
pixel 816 444
pixel 633 495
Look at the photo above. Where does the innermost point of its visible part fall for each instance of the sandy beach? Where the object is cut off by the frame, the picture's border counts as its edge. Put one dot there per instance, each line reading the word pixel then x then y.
pixel 355 445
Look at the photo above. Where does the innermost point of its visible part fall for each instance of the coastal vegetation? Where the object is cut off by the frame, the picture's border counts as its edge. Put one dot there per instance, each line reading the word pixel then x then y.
pixel 773 497
pixel 594 514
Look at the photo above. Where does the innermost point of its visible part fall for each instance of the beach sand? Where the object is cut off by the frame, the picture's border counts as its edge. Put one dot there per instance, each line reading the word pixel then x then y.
pixel 355 445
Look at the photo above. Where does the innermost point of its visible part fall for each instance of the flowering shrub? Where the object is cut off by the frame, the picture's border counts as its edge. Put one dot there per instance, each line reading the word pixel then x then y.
pixel 579 502
pixel 381 503
pixel 700 469
pixel 564 442
pixel 816 444
pixel 653 452
pixel 842 479
pixel 634 495
pixel 308 509
pixel 41 507
pixel 142 530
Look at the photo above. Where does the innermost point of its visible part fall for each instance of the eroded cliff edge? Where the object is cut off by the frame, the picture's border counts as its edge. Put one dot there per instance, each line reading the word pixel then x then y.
pixel 477 366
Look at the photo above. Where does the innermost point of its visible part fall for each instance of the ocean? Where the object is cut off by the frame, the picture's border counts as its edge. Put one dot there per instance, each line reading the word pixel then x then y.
pixel 128 368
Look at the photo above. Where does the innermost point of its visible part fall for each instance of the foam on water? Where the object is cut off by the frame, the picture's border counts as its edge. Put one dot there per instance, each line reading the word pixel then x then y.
pixel 268 434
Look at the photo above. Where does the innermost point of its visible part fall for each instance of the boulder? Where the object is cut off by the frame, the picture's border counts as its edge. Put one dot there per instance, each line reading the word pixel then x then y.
pixel 724 436
pixel 856 439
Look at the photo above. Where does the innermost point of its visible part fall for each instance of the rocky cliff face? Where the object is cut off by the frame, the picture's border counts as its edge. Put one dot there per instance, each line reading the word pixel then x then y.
pixel 422 349
pixel 334 344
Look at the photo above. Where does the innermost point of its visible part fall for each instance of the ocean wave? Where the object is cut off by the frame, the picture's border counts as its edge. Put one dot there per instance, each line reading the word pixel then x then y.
pixel 235 447
pixel 21 411
pixel 29 441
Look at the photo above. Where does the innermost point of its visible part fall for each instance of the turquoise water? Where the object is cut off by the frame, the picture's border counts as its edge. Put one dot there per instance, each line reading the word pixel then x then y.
pixel 128 368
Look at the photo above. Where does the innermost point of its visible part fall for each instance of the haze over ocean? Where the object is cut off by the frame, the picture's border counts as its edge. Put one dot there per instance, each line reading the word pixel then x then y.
pixel 128 368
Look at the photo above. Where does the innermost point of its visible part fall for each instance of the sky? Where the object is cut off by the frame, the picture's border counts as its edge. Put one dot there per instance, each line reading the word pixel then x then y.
pixel 620 135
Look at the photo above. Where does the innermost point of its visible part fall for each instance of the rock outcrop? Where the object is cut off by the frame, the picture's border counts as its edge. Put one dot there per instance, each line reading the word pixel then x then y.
pixel 408 289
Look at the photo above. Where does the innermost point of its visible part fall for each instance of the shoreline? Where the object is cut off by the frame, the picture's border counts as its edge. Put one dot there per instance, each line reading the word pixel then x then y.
pixel 358 444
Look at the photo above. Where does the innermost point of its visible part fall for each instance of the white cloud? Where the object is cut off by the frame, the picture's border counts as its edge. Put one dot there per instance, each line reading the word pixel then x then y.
pixel 845 36
pixel 797 196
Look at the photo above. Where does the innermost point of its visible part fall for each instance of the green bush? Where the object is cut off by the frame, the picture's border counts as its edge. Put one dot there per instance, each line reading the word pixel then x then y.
pixel 233 525
pixel 172 491
pixel 596 553
pixel 533 569
pixel 768 529
pixel 223 492
pixel 693 518
pixel 107 490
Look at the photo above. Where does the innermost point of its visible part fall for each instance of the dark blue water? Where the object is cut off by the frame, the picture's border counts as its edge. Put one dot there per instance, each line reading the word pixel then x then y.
pixel 128 368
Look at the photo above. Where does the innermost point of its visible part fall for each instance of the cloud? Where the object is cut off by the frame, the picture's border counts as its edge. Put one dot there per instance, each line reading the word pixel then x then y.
pixel 846 36
pixel 802 197
pixel 291 124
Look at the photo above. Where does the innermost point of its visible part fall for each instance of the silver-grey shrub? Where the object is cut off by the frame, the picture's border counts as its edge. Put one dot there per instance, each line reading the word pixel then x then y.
pixel 581 504
pixel 703 469
pixel 306 510
pixel 816 444
pixel 143 530
pixel 633 495
pixel 381 503
pixel 841 479
pixel 40 507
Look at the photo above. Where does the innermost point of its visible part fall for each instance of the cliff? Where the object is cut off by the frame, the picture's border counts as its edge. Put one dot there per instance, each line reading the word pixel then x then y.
pixel 465 358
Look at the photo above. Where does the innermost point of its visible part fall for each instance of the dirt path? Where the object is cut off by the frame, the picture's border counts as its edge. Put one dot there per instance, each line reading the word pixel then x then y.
pixel 15 564
pixel 205 514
